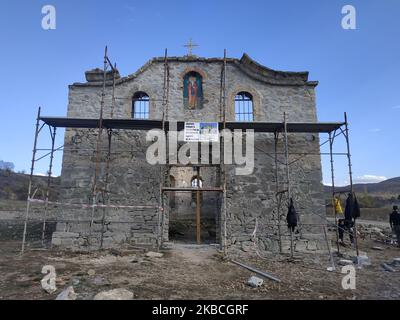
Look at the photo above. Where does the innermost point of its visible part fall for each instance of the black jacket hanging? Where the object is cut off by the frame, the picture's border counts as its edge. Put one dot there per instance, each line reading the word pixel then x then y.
pixel 356 213
pixel 291 217
pixel 348 211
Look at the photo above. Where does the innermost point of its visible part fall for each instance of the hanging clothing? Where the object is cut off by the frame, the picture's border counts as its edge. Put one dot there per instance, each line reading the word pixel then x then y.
pixel 352 210
pixel 337 205
pixel 349 207
pixel 356 213
pixel 291 217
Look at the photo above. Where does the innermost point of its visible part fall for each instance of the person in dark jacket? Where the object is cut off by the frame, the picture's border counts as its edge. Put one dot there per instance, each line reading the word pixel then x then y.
pixel 395 223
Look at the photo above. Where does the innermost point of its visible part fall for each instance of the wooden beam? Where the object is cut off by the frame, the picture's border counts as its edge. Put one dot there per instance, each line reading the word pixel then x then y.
pixel 198 212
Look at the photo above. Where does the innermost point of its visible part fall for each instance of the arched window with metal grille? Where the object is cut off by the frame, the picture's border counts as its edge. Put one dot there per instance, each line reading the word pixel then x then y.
pixel 244 107
pixel 197 182
pixel 140 106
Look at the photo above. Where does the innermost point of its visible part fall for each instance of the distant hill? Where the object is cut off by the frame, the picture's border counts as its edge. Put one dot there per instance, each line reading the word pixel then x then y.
pixel 371 195
pixel 390 187
pixel 14 186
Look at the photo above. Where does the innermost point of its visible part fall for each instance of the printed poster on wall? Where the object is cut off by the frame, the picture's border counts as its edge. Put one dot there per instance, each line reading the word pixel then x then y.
pixel 201 132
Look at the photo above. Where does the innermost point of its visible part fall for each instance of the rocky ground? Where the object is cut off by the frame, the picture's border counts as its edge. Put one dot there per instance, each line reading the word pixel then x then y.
pixel 194 272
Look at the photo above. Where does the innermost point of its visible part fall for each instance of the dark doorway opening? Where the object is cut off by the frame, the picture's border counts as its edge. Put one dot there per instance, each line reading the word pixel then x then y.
pixel 193 215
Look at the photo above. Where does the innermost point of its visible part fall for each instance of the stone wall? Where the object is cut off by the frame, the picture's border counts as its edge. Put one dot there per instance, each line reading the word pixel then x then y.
pixel 133 181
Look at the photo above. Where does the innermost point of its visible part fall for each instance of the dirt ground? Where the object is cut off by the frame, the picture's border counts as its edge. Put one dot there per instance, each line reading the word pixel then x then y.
pixel 192 272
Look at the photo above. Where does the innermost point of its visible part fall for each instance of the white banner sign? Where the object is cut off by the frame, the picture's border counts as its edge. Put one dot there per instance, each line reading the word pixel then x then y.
pixel 201 132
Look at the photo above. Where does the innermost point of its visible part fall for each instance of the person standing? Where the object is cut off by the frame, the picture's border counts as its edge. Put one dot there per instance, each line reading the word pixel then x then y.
pixel 395 223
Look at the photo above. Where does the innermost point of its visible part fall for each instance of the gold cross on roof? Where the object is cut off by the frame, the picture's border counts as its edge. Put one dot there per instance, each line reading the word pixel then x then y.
pixel 190 47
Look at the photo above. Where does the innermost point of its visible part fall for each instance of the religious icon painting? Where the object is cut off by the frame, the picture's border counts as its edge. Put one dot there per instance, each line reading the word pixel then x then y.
pixel 193 90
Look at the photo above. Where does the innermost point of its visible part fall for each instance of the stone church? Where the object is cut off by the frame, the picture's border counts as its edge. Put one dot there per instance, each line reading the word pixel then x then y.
pixel 254 94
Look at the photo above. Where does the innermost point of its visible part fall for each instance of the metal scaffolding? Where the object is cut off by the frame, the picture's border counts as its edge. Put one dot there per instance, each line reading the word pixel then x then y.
pixel 333 129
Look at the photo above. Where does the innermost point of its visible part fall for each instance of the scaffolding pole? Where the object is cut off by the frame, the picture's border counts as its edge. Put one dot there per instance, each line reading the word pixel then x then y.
pixel 198 208
pixel 222 146
pixel 106 192
pixel 97 163
pixel 49 174
pixel 28 203
pixel 346 135
pixel 164 170
pixel 331 140
pixel 288 175
pixel 277 195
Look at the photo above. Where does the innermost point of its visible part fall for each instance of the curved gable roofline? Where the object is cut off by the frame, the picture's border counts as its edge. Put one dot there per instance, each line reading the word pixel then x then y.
pixel 247 65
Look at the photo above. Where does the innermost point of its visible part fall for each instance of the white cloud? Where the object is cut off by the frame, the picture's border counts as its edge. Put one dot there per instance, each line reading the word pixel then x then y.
pixel 337 184
pixel 39 174
pixel 369 178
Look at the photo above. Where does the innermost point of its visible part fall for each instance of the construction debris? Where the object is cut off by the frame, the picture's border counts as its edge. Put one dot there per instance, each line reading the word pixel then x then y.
pixel 264 274
pixel 255 282
pixel 152 254
pixel 344 262
pixel 393 266
pixel 67 294
pixel 387 267
pixel 362 260
pixel 116 294
pixel 91 272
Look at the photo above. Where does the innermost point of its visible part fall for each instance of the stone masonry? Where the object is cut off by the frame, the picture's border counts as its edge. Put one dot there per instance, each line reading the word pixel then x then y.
pixel 133 181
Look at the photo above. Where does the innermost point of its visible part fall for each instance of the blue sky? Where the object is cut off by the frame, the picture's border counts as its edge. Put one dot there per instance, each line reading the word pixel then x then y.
pixel 358 69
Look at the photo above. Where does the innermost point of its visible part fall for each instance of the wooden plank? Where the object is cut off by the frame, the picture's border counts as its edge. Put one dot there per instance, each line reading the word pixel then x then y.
pixel 198 209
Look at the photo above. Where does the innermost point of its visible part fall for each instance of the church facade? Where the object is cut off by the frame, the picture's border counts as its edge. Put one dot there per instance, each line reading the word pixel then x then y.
pixel 254 93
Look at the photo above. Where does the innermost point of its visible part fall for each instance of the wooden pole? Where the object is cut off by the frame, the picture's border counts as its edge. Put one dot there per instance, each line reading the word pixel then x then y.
pixel 277 196
pixel 329 248
pixel 350 174
pixel 288 176
pixel 333 190
pixel 53 138
pixel 198 219
pixel 198 208
pixel 28 203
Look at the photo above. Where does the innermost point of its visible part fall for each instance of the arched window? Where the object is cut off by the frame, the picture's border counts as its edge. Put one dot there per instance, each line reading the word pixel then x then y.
pixel 197 182
pixel 244 107
pixel 140 106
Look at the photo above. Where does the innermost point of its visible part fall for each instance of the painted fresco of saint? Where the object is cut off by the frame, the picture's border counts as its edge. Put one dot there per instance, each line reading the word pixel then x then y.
pixel 192 91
